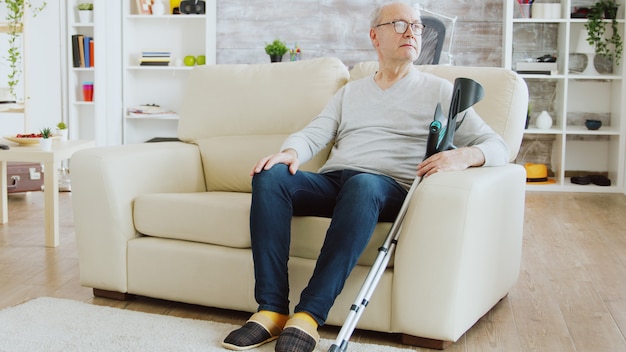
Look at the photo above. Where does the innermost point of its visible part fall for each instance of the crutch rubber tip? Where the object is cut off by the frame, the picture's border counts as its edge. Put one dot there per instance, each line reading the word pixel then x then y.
pixel 334 348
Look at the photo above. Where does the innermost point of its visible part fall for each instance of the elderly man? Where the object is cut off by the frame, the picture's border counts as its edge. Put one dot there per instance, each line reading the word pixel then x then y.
pixel 378 126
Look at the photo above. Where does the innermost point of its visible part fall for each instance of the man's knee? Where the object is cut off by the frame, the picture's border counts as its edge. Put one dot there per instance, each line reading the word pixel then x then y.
pixel 365 188
pixel 272 177
pixel 375 192
pixel 370 183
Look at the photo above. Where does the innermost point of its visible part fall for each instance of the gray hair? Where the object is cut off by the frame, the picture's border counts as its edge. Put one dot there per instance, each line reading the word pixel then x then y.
pixel 378 11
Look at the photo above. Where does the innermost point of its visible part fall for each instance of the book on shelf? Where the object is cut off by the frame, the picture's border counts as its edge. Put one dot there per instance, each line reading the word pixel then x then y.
pixel 82 51
pixel 164 63
pixel 75 54
pixel 536 67
pixel 547 73
pixel 155 58
pixel 134 115
pixel 156 53
pixel 91 52
pixel 151 111
pixel 86 49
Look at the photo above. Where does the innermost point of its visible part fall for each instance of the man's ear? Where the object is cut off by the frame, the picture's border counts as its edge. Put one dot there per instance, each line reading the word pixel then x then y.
pixel 373 37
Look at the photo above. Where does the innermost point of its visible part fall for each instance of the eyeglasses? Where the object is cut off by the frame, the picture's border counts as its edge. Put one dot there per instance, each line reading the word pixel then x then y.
pixel 401 26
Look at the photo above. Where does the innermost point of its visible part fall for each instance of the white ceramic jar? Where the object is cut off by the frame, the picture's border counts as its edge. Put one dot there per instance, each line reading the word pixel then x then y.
pixel 544 120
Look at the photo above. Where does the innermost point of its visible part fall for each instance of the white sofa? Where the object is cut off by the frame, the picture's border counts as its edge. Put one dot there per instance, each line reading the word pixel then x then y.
pixel 170 220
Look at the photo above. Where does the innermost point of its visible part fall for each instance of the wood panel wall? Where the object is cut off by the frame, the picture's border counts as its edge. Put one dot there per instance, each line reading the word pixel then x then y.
pixel 340 28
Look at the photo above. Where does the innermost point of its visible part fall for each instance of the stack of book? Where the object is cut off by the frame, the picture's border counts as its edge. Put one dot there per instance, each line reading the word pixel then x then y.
pixel 82 50
pixel 155 58
pixel 535 67
pixel 152 111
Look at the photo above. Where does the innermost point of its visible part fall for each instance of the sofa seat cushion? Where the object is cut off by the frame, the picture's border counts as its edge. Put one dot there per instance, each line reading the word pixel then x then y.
pixel 230 171
pixel 308 234
pixel 221 218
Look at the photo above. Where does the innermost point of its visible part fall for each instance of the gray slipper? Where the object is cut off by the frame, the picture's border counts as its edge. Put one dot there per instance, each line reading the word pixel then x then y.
pixel 257 331
pixel 297 336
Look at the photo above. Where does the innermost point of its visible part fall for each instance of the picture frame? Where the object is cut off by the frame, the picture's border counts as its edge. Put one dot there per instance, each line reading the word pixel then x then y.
pixel 144 7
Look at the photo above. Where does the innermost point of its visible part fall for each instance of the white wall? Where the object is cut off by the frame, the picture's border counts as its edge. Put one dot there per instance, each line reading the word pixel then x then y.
pixel 42 80
pixel 43 61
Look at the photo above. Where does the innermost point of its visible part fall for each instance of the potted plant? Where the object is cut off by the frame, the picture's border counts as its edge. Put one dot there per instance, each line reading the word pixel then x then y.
pixel 276 50
pixel 85 12
pixel 14 20
pixel 607 47
pixel 85 6
pixel 45 142
pixel 62 130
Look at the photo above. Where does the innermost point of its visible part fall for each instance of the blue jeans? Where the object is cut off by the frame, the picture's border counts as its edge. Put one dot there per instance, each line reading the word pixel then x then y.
pixel 356 201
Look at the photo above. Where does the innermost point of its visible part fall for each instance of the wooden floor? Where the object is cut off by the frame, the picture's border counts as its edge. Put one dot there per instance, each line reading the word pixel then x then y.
pixel 571 294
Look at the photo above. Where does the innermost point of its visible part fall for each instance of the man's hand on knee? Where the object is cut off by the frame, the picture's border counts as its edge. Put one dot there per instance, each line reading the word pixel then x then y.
pixel 288 157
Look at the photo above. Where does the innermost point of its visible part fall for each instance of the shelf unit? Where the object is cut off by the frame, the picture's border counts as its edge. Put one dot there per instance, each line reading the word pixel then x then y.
pixel 182 35
pixel 100 119
pixel 570 98
pixel 82 119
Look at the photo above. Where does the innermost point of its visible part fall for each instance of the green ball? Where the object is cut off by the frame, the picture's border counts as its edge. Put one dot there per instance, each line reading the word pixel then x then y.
pixel 201 60
pixel 189 60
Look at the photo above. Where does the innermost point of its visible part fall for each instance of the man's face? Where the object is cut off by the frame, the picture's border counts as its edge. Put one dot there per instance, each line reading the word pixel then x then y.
pixel 394 46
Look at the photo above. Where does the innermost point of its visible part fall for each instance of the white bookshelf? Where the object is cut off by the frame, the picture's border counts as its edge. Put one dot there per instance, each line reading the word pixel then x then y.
pixel 574 97
pixel 95 120
pixel 181 35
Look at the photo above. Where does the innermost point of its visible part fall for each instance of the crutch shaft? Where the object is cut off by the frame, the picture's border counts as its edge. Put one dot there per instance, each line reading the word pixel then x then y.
pixel 373 277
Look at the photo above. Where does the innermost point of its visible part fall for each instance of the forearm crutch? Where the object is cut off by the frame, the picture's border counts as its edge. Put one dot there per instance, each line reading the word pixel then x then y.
pixel 466 92
pixel 373 277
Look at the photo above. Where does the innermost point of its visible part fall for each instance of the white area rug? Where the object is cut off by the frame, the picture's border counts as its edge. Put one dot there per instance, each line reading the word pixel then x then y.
pixel 52 324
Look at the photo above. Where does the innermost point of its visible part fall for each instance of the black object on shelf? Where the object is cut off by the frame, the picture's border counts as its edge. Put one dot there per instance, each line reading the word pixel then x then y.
pixel 163 139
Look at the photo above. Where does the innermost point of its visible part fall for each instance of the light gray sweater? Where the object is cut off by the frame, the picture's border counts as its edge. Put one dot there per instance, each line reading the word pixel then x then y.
pixel 385 131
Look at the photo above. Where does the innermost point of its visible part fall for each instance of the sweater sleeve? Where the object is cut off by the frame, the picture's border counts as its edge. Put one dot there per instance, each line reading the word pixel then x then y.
pixel 318 133
pixel 475 132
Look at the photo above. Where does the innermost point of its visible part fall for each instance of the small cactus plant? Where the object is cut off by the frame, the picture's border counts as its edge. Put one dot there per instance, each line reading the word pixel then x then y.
pixel 46 132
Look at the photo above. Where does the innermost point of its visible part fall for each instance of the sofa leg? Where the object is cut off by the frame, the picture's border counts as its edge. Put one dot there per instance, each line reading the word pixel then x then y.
pixel 120 296
pixel 424 342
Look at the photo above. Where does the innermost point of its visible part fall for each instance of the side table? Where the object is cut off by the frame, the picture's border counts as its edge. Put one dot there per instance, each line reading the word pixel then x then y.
pixel 61 150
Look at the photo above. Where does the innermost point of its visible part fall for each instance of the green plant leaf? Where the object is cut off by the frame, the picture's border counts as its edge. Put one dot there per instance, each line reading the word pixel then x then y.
pixel 276 48
pixel 610 47
pixel 15 18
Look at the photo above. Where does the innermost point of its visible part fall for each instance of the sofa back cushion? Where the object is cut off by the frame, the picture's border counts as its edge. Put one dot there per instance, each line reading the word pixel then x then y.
pixel 240 113
pixel 505 104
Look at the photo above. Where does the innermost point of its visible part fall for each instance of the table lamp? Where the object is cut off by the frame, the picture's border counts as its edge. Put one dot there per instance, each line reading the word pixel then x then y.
pixel 584 47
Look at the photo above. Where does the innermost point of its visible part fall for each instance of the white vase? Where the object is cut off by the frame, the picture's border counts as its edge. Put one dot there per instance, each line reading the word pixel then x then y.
pixel 5 95
pixel 544 120
pixel 63 134
pixel 45 144
pixel 85 16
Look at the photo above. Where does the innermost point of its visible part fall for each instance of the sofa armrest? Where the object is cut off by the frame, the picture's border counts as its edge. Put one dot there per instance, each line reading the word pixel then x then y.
pixel 459 251
pixel 105 181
